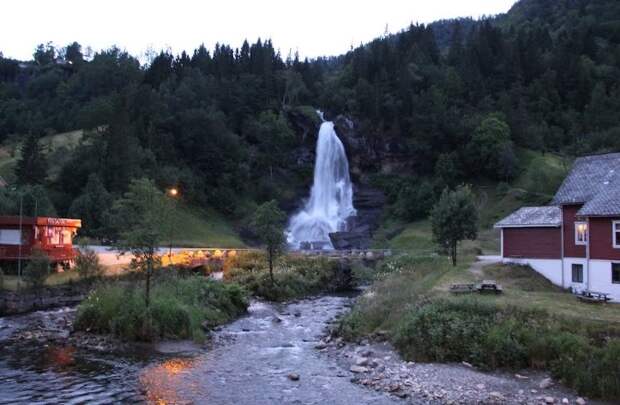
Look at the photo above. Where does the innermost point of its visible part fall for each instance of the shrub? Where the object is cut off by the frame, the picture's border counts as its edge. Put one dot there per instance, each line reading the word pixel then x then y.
pixel 415 200
pixel 502 188
pixel 38 268
pixel 294 277
pixel 444 331
pixel 87 264
pixel 180 308
pixel 506 337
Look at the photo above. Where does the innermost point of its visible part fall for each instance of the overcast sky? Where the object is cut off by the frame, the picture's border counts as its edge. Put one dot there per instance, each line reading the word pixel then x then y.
pixel 314 28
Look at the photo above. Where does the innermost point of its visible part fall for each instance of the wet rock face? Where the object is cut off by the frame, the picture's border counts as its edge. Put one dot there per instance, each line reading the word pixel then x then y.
pixel 371 152
pixel 350 240
pixel 369 204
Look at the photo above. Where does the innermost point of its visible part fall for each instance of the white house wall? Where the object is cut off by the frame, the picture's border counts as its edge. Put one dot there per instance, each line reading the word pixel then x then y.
pixel 600 278
pixel 551 269
pixel 568 273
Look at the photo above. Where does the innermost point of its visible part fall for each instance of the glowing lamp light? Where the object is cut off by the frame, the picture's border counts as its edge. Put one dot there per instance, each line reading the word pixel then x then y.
pixel 173 192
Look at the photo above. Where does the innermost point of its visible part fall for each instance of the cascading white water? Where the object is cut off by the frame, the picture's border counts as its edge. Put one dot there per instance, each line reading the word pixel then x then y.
pixel 331 196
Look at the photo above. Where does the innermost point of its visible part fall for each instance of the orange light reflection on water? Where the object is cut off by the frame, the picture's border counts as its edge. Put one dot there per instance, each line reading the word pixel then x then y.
pixel 160 382
pixel 61 356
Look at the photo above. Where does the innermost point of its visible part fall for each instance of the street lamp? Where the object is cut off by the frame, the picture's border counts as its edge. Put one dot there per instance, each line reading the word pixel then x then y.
pixel 174 193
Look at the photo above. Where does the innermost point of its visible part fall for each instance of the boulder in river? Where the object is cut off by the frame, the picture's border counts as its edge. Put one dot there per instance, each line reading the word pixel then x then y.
pixel 293 377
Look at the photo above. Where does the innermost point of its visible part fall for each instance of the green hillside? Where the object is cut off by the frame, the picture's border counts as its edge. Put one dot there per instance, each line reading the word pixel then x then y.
pixel 196 227
pixel 204 228
pixel 539 178
pixel 57 148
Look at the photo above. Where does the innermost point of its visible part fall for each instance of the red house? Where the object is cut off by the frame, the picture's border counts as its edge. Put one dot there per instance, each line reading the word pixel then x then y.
pixel 575 241
pixel 54 236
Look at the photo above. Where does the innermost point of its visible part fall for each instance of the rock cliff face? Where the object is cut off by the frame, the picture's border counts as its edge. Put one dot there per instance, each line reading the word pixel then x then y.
pixel 369 204
pixel 369 152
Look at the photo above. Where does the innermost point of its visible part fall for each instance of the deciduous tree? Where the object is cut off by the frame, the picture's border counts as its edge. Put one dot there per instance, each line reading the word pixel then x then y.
pixel 139 218
pixel 454 218
pixel 268 224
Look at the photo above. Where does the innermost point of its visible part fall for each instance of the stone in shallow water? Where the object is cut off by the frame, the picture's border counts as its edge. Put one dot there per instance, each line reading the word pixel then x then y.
pixel 358 369
pixel 293 377
pixel 546 383
pixel 361 361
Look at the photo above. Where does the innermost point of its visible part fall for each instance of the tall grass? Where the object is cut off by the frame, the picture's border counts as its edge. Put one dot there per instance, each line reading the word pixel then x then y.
pixel 491 337
pixel 294 276
pixel 180 308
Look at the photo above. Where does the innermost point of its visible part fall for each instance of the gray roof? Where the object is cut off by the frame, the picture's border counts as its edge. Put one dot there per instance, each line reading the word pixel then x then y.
pixel 606 203
pixel 532 217
pixel 590 177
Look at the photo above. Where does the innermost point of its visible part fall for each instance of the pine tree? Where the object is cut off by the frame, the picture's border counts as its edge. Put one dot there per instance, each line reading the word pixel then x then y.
pixel 32 166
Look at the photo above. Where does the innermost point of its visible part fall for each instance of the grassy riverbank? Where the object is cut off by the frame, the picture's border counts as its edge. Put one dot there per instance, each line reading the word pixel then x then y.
pixel 533 324
pixel 294 276
pixel 180 308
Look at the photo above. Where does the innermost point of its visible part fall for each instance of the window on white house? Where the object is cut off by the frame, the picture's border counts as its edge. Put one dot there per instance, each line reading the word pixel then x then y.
pixel 615 234
pixel 581 233
pixel 615 273
pixel 577 273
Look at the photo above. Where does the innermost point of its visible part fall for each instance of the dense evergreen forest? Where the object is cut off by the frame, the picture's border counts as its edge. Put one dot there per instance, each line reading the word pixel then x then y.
pixel 458 97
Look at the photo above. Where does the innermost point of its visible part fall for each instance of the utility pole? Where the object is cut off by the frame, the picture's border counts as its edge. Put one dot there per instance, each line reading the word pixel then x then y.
pixel 21 240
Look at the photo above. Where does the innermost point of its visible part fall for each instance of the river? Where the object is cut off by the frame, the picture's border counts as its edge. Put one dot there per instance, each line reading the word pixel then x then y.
pixel 276 354
pixel 248 362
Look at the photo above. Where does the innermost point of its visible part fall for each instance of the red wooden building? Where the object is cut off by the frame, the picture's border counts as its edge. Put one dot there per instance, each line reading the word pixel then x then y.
pixel 575 241
pixel 54 236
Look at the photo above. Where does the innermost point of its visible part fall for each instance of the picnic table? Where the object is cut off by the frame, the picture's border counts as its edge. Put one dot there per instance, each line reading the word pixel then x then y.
pixel 486 286
pixel 593 296
pixel 489 286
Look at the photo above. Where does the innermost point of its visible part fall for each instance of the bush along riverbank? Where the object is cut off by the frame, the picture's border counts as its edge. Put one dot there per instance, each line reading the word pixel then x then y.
pixel 409 306
pixel 294 276
pixel 180 308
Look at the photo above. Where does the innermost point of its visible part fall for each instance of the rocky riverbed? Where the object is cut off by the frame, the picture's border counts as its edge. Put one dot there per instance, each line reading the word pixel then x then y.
pixel 378 367
pixel 277 354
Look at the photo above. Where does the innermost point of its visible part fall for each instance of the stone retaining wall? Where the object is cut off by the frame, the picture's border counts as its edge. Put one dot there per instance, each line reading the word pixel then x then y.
pixel 12 302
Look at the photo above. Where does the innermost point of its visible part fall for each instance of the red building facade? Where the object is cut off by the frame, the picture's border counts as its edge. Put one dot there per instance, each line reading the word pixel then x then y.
pixel 54 236
pixel 583 220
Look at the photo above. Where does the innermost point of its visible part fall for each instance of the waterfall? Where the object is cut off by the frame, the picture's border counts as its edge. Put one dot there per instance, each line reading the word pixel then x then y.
pixel 331 196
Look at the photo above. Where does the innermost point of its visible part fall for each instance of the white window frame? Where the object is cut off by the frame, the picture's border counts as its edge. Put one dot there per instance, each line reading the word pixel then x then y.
pixel 583 242
pixel 615 228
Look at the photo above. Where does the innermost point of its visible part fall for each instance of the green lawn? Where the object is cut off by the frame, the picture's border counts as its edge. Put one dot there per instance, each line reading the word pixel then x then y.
pixel 525 288
pixel 11 282
pixel 204 228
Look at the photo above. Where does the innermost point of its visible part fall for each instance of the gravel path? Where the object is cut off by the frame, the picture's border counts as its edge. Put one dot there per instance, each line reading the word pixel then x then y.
pixel 483 261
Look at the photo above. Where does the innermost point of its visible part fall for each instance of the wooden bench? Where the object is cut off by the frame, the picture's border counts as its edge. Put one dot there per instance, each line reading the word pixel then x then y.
pixel 593 296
